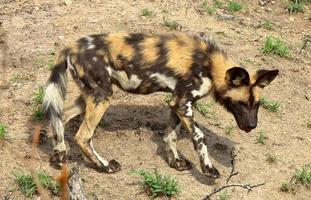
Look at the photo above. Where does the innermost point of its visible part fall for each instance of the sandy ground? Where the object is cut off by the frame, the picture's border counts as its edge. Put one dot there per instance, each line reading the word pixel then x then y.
pixel 32 31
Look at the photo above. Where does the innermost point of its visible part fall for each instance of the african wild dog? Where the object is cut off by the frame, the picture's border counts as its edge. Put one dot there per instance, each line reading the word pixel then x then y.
pixel 190 66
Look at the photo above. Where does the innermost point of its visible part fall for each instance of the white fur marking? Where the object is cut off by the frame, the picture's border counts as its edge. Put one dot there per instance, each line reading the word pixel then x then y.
pixel 53 97
pixel 203 151
pixel 189 109
pixel 70 65
pixel 169 140
pixel 123 79
pixel 105 162
pixel 90 44
pixel 109 70
pixel 204 88
pixel 164 81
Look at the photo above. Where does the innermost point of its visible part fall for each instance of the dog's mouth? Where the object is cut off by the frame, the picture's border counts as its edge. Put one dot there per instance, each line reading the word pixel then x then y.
pixel 246 129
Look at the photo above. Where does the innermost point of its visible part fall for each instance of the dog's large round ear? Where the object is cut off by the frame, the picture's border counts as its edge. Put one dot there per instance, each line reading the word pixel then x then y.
pixel 265 77
pixel 236 77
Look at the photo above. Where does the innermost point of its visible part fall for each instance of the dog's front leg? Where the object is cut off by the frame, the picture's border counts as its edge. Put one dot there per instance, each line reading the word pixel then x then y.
pixel 185 113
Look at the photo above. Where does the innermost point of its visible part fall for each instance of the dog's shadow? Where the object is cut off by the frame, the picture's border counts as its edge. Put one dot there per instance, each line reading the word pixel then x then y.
pixel 154 118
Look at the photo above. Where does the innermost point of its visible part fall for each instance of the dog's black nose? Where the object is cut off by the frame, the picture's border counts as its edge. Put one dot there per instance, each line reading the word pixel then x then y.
pixel 252 125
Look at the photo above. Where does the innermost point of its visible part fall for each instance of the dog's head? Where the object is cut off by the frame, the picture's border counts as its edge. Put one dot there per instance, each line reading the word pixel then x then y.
pixel 243 94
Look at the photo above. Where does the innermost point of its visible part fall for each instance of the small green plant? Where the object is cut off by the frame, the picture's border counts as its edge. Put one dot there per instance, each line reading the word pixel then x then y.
pixel 146 13
pixel 38 99
pixel 286 187
pixel 171 24
pixel 208 8
pixel 303 175
pixel 28 186
pixel 2 131
pixel 45 62
pixel 218 4
pixel 262 137
pixel 271 158
pixel 234 6
pixel 295 7
pixel 202 107
pixel 14 78
pixel 275 46
pixel 168 97
pixel 38 114
pixel 270 105
pixel 269 25
pixel 224 195
pixel 229 130
pixel 158 185
pixel 39 94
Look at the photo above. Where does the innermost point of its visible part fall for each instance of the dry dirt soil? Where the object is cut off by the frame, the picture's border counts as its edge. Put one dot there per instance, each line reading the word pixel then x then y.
pixel 131 131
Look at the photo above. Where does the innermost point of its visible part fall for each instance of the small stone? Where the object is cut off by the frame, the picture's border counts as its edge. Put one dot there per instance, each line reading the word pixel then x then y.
pixel 225 17
pixel 291 19
pixel 36 8
pixel 273 2
pixel 67 2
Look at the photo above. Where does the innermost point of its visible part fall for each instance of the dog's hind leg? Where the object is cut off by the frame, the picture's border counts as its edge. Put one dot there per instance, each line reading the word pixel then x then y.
pixel 73 110
pixel 93 114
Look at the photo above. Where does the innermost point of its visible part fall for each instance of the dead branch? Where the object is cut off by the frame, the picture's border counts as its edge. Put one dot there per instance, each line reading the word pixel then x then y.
pixel 305 42
pixel 248 186
pixel 75 185
pixel 233 172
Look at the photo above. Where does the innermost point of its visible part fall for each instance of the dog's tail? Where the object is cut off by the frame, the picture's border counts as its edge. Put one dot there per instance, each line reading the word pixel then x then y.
pixel 55 92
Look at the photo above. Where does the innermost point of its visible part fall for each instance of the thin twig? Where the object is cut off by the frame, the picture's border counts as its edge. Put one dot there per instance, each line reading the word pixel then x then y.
pixel 249 188
pixel 233 172
pixel 305 42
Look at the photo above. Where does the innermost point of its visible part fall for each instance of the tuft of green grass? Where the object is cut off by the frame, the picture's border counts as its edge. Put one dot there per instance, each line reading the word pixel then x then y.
pixel 39 94
pixel 38 114
pixel 28 186
pixel 275 46
pixel 303 176
pixel 206 7
pixel 218 4
pixel 229 130
pixel 171 24
pixel 295 7
pixel 270 105
pixel 224 195
pixel 14 78
pixel 269 25
pixel 146 13
pixel 286 187
pixel 38 99
pixel 202 107
pixel 2 131
pixel 271 158
pixel 234 6
pixel 45 62
pixel 157 184
pixel 262 137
